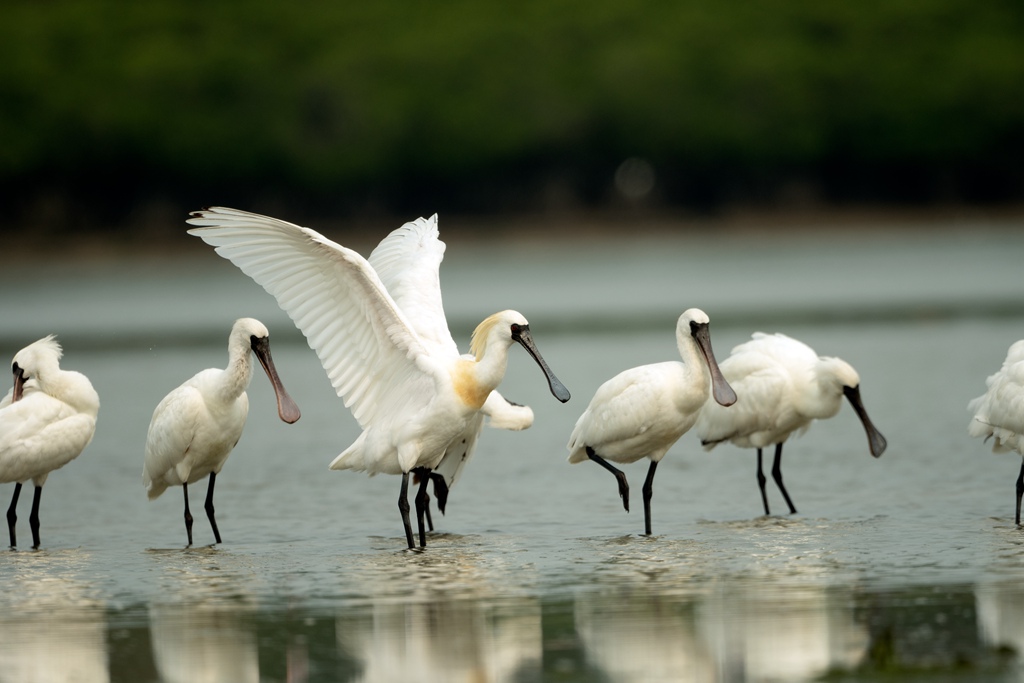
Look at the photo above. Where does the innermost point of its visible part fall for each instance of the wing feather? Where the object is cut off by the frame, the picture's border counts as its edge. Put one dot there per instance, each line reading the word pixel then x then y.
pixel 369 349
pixel 171 430
pixel 460 452
pixel 39 434
pixel 999 412
pixel 408 262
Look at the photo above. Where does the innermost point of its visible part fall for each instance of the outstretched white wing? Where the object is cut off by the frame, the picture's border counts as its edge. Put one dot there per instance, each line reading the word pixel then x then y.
pixel 369 349
pixel 408 262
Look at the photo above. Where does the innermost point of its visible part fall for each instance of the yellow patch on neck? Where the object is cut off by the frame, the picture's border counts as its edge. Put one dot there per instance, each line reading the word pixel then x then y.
pixel 466 387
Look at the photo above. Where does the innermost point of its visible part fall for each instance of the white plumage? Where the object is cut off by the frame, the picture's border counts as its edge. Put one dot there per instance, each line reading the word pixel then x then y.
pixel 782 386
pixel 408 262
pixel 998 414
pixel 46 420
pixel 642 412
pixel 383 340
pixel 196 426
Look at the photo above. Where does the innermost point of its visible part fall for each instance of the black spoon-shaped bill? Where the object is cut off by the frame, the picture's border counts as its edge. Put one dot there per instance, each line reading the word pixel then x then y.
pixel 287 410
pixel 720 389
pixel 876 442
pixel 521 334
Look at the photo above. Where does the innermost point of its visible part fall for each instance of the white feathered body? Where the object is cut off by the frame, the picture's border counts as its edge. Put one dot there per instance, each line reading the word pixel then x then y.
pixel 999 412
pixel 196 426
pixel 641 412
pixel 432 417
pixel 781 386
pixel 43 432
pixel 193 430
pixel 52 423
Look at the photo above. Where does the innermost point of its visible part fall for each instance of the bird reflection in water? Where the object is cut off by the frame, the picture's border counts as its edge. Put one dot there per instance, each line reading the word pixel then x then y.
pixel 209 641
pixel 737 631
pixel 443 618
pixel 54 633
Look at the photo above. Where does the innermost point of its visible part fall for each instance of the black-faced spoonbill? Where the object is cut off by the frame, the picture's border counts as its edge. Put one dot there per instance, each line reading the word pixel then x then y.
pixel 196 426
pixel 999 412
pixel 782 387
pixel 395 365
pixel 642 411
pixel 46 420
pixel 408 262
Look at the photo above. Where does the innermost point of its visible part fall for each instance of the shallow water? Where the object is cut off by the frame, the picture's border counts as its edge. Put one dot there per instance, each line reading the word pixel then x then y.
pixel 909 565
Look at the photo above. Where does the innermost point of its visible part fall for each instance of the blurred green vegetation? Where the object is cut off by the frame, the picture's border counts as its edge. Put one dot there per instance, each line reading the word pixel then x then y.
pixel 459 105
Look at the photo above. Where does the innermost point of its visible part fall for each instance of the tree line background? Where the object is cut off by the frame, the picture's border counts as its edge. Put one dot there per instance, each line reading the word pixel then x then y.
pixel 108 108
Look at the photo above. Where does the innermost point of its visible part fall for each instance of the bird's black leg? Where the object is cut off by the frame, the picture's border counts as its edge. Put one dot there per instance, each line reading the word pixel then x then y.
pixel 417 476
pixel 33 517
pixel 12 515
pixel 440 491
pixel 440 495
pixel 648 491
pixel 619 475
pixel 421 504
pixel 209 506
pixel 426 509
pixel 1020 490
pixel 403 507
pixel 760 482
pixel 777 476
pixel 188 516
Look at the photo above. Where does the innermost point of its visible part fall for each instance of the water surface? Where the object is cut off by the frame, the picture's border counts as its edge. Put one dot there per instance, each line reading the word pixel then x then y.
pixel 905 565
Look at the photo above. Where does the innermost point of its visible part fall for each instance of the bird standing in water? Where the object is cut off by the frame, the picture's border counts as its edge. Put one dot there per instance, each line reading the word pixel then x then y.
pixel 642 412
pixel 46 421
pixel 196 426
pixel 783 386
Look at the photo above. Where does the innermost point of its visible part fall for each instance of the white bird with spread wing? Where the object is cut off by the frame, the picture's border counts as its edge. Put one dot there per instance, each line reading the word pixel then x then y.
pixel 395 364
pixel 408 262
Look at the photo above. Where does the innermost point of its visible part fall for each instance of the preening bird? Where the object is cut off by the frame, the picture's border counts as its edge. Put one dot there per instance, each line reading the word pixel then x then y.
pixel 782 386
pixel 999 412
pixel 46 420
pixel 642 412
pixel 417 400
pixel 196 426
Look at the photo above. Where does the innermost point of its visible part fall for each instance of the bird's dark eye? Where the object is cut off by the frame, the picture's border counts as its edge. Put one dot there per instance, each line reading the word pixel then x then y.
pixel 694 326
pixel 515 328
pixel 15 369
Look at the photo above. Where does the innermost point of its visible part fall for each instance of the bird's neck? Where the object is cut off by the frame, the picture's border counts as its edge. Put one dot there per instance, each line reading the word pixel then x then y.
pixel 237 374
pixel 819 396
pixel 823 401
pixel 474 380
pixel 693 359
